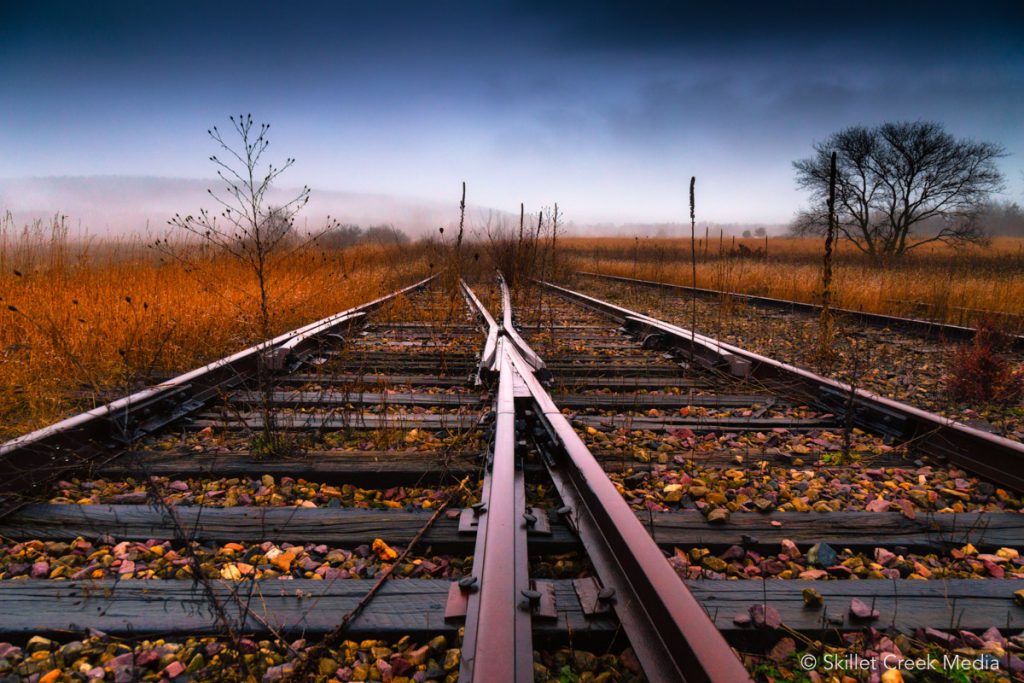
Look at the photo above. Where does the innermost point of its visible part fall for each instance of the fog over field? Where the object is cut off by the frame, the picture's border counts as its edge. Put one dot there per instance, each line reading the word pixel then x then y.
pixel 116 205
pixel 138 205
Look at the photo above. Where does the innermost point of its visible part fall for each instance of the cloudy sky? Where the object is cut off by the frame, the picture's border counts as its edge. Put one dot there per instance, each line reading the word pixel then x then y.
pixel 607 108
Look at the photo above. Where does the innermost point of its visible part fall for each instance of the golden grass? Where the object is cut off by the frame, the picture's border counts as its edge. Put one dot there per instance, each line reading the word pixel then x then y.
pixel 80 323
pixel 938 283
pixel 83 322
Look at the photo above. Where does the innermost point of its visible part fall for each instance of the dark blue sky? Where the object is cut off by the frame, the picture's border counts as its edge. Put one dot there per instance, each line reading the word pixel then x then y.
pixel 607 108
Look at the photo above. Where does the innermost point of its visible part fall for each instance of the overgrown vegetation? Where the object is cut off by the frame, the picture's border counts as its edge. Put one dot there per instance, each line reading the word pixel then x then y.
pixel 84 322
pixel 981 372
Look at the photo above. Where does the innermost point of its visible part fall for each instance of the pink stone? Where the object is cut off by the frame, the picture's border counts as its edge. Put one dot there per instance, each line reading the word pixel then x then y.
pixel 813 574
pixel 883 556
pixel 862 610
pixel 173 670
pixel 763 615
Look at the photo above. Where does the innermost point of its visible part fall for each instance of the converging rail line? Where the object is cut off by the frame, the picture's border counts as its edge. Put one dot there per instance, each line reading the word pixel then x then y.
pixel 926 328
pixel 488 497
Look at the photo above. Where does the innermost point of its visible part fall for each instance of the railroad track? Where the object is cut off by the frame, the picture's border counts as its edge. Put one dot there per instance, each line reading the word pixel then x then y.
pixel 565 486
pixel 926 328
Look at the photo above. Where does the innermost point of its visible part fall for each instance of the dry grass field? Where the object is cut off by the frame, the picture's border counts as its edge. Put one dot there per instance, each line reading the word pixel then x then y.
pixel 83 322
pixel 939 282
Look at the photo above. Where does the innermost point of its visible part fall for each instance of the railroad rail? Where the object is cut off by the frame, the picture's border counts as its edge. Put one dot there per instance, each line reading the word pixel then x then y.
pixel 926 441
pixel 926 328
pixel 536 479
pixel 988 455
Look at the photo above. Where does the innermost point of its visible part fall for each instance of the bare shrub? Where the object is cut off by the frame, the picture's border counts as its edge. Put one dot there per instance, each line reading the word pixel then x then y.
pixel 981 370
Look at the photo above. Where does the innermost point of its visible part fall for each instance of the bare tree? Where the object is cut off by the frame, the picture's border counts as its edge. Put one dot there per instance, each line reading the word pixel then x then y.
pixel 247 226
pixel 899 186
pixel 253 231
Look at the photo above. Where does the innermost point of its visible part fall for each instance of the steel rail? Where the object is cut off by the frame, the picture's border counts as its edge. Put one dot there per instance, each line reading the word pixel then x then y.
pixel 928 328
pixel 497 644
pixel 498 641
pixel 487 357
pixel 509 328
pixel 672 635
pixel 991 456
pixel 29 459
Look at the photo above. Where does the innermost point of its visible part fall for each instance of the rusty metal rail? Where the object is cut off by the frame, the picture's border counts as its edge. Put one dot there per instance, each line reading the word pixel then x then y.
pixel 509 329
pixel 988 455
pixel 672 635
pixel 487 356
pixel 498 641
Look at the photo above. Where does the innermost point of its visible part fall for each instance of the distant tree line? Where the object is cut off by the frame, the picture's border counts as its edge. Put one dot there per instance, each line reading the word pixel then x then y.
pixel 348 235
pixel 1002 218
pixel 993 218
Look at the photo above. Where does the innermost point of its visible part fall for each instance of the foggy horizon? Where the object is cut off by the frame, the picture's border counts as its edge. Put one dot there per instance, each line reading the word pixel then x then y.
pixel 606 110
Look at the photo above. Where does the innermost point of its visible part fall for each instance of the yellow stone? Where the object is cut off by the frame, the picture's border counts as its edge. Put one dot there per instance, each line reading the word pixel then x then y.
pixel 230 572
pixel 892 676
pixel 383 550
pixel 284 561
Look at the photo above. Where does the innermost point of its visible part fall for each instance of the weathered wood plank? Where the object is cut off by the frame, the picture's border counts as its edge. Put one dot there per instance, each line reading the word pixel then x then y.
pixel 385 325
pixel 339 420
pixel 386 379
pixel 361 468
pixel 368 468
pixel 969 604
pixel 643 372
pixel 343 527
pixel 397 365
pixel 414 606
pixel 840 529
pixel 638 401
pixel 373 379
pixel 334 398
pixel 358 353
pixel 328 398
pixel 346 526
pixel 376 468
pixel 702 425
pixel 630 382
